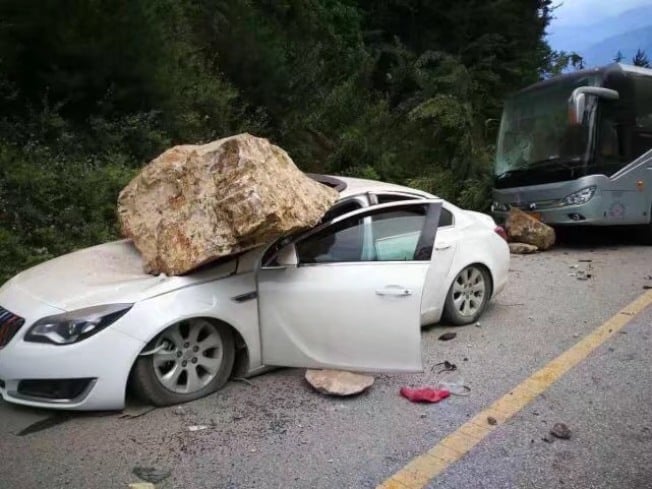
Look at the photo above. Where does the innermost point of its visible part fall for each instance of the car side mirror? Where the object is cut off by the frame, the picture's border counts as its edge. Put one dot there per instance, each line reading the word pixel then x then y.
pixel 287 256
pixel 281 259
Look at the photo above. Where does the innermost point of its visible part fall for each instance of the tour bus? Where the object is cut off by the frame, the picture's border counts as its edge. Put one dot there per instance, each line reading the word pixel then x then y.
pixel 577 149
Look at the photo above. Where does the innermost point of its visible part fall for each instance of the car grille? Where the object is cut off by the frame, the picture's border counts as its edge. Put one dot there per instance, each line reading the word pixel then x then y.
pixel 9 326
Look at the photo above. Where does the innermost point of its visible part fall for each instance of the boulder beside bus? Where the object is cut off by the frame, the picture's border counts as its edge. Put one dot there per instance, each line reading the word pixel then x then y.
pixel 524 228
pixel 194 204
pixel 522 248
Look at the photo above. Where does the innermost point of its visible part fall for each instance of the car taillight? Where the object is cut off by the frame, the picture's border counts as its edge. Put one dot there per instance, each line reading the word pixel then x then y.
pixel 500 231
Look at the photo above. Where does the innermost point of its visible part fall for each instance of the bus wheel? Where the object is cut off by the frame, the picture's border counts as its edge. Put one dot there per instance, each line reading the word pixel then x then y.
pixel 646 235
pixel 646 232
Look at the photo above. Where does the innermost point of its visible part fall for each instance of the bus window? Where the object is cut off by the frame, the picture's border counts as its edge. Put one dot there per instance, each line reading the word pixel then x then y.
pixel 611 153
pixel 642 137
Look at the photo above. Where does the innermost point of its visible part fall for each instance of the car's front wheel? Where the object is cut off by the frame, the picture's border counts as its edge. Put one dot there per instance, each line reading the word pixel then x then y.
pixel 188 360
pixel 468 295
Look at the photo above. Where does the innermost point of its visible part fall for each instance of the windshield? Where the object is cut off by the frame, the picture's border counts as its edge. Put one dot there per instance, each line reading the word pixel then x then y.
pixel 535 133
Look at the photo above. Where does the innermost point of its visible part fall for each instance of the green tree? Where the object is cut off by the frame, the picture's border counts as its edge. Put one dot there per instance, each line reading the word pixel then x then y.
pixel 398 90
pixel 104 60
pixel 641 59
pixel 558 62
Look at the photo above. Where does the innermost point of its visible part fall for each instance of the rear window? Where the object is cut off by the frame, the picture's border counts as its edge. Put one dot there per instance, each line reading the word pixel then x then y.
pixel 445 218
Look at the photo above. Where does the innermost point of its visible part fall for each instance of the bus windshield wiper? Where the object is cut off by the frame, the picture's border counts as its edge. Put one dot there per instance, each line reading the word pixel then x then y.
pixel 542 165
pixel 568 163
pixel 507 173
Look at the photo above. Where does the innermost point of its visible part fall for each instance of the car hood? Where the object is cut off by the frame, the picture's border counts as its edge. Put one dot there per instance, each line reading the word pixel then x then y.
pixel 108 273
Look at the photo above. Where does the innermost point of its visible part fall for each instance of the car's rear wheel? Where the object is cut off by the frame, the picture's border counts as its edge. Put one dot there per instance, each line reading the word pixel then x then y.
pixel 468 295
pixel 188 360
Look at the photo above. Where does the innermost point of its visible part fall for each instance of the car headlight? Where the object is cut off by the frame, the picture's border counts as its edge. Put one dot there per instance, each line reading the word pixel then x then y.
pixel 499 207
pixel 579 197
pixel 71 327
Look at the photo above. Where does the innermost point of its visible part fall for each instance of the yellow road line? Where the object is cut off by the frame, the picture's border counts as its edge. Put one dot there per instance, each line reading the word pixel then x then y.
pixel 422 469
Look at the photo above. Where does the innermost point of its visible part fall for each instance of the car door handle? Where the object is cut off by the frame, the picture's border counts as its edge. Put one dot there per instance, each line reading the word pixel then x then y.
pixel 442 246
pixel 394 290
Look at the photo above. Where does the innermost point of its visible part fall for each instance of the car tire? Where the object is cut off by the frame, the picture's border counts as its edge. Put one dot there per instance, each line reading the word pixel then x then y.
pixel 186 361
pixel 468 295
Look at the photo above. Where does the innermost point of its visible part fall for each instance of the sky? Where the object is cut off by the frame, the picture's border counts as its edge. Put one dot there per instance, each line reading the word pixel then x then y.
pixel 580 12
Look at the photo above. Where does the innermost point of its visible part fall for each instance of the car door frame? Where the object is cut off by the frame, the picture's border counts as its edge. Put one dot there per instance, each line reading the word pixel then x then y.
pixel 268 262
pixel 445 249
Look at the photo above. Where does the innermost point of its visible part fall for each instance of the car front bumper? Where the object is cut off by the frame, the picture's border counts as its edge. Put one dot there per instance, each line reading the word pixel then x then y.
pixel 89 375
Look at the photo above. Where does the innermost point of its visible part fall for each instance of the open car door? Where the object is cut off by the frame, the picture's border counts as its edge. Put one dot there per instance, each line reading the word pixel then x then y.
pixel 347 295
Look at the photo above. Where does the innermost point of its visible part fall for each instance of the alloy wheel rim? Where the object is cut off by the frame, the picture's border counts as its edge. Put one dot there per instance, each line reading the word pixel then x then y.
pixel 469 291
pixel 190 356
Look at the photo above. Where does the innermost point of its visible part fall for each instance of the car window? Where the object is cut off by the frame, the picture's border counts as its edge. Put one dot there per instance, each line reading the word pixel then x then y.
pixel 341 208
pixel 384 235
pixel 337 243
pixel 387 198
pixel 396 233
pixel 445 218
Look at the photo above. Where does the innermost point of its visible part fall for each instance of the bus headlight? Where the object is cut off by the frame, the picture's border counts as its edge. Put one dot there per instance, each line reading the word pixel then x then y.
pixel 579 197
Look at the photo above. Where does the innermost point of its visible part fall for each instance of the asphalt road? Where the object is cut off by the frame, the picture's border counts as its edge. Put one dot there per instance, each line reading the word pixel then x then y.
pixel 277 433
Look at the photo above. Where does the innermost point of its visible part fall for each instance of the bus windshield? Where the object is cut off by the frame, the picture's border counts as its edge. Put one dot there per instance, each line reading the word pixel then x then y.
pixel 535 135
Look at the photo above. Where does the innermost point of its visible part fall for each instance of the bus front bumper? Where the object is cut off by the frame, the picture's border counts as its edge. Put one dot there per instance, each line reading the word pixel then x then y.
pixel 599 211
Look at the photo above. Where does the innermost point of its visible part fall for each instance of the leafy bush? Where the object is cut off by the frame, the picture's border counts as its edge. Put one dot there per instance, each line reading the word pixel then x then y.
pixel 398 90
pixel 50 205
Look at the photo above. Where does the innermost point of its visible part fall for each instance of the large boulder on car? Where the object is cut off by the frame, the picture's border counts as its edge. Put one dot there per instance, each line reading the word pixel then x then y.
pixel 523 228
pixel 194 204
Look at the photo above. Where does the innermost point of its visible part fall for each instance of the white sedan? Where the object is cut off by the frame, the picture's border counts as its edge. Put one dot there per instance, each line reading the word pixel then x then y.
pixel 351 293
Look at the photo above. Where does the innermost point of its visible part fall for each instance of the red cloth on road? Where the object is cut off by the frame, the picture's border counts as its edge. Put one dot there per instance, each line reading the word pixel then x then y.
pixel 424 394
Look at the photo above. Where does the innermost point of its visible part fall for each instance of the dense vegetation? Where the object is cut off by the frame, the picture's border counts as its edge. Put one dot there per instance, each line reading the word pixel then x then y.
pixel 401 90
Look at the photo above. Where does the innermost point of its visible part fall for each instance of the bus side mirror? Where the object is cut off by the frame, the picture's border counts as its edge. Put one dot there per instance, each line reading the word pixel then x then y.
pixel 577 102
pixel 576 107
